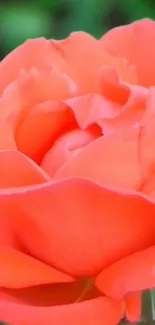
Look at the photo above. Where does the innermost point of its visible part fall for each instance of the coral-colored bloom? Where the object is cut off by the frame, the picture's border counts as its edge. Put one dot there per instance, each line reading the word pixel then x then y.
pixel 77 178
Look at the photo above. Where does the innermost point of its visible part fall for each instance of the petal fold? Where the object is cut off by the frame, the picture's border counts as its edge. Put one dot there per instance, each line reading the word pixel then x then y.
pixel 98 311
pixel 121 41
pixel 18 170
pixel 20 270
pixel 135 272
pixel 78 227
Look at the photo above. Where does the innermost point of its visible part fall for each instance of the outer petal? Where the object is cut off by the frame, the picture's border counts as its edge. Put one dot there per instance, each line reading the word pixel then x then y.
pixel 78 226
pixel 84 57
pixel 37 86
pixel 33 53
pixel 122 40
pixel 18 170
pixel 7 141
pixel 147 156
pixel 98 311
pixel 51 294
pixel 10 108
pixel 133 273
pixel 20 270
pixel 44 54
pixel 133 306
pixel 150 108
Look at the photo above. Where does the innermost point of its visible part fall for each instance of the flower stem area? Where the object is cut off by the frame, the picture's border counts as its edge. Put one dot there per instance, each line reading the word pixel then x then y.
pixel 148 310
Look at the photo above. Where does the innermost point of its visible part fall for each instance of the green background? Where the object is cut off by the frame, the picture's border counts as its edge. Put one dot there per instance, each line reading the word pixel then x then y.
pixel 23 19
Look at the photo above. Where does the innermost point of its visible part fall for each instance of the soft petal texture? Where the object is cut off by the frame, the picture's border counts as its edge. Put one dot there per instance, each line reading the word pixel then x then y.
pixel 79 48
pixel 10 108
pixel 82 56
pixel 43 117
pixel 147 156
pixel 150 108
pixel 92 108
pixel 133 273
pixel 18 170
pixel 112 87
pixel 131 114
pixel 147 143
pixel 65 148
pixel 51 294
pixel 92 218
pixel 131 98
pixel 133 306
pixel 33 53
pixel 38 86
pixel 97 311
pixel 124 159
pixel 95 237
pixel 103 110
pixel 130 42
pixel 20 270
pixel 42 125
pixel 114 163
pixel 7 140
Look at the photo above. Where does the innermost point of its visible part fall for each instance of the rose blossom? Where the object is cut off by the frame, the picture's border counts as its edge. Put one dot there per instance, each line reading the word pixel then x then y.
pixel 77 178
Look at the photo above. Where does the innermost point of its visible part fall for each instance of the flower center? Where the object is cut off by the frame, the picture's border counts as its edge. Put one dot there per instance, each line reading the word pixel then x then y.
pixel 89 285
pixel 66 147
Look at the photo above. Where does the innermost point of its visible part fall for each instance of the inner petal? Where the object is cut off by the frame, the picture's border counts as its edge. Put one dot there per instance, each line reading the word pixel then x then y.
pixel 53 294
pixel 67 146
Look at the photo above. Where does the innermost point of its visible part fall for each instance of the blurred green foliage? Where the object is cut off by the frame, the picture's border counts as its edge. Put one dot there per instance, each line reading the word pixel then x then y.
pixel 23 19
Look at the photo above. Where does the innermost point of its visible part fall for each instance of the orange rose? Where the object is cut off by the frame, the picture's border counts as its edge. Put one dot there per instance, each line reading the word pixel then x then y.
pixel 77 178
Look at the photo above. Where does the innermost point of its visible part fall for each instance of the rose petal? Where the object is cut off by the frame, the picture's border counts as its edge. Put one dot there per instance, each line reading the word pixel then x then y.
pixel 77 226
pixel 18 170
pixel 9 113
pixel 135 272
pixel 131 114
pixel 37 86
pixel 122 40
pixel 44 123
pixel 111 86
pixel 84 57
pixel 20 270
pixel 133 166
pixel 133 306
pixel 51 294
pixel 78 47
pixel 121 105
pixel 147 156
pixel 67 146
pixel 115 164
pixel 43 117
pixel 98 311
pixel 7 140
pixel 132 99
pixel 92 108
pixel 150 108
pixel 33 53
